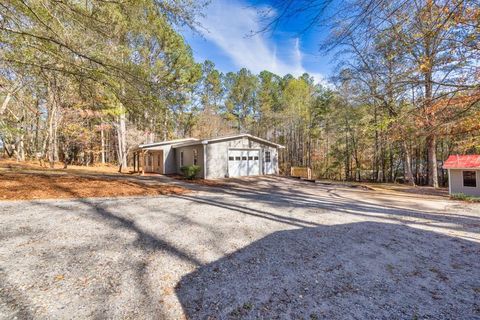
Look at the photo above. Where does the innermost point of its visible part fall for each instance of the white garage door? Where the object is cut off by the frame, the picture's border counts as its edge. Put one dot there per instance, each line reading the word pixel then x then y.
pixel 243 163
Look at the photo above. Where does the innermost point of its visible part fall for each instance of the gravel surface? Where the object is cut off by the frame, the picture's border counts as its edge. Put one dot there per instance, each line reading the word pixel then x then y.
pixel 264 248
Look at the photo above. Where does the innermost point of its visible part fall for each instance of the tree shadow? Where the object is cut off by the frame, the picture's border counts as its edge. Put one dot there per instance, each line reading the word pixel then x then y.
pixel 277 199
pixel 13 300
pixel 137 267
pixel 361 270
pixel 281 193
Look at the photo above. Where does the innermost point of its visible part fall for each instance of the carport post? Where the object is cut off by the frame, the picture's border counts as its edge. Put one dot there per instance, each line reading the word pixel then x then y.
pixel 135 161
pixel 141 161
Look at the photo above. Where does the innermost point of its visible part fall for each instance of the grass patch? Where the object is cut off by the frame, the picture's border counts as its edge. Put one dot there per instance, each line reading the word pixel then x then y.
pixel 464 197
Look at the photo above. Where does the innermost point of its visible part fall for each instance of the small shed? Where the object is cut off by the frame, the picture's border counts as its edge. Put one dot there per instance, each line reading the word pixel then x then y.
pixel 463 174
pixel 231 156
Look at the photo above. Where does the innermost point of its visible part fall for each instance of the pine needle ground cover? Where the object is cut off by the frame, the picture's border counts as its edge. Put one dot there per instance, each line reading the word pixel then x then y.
pixel 17 183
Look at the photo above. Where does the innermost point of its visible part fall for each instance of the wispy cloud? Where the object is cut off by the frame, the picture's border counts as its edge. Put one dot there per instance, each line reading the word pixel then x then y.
pixel 231 25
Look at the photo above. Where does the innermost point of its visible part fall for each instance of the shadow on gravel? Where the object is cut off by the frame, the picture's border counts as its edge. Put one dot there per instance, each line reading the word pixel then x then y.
pixel 329 202
pixel 361 270
pixel 18 306
pixel 147 302
pixel 283 193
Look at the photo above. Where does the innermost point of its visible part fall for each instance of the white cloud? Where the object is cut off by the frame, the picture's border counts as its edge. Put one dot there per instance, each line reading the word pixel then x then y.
pixel 230 23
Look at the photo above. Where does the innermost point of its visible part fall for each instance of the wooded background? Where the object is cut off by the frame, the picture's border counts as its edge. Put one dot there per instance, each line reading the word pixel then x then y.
pixel 84 82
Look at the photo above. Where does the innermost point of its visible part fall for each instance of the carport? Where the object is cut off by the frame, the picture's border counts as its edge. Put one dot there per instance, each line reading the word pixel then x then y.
pixel 148 160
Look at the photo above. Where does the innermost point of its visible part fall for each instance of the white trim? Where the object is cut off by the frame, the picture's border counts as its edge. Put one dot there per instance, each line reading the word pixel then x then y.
pixel 244 135
pixel 161 143
pixel 188 144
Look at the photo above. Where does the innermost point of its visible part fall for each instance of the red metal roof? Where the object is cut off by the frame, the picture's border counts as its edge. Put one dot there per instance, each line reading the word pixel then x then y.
pixel 462 162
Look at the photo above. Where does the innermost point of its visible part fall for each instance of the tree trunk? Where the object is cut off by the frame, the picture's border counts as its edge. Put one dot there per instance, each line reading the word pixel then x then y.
pixel 165 127
pixel 66 157
pixel 37 129
pixel 122 140
pixel 102 138
pixel 51 134
pixel 432 161
pixel 21 148
pixel 408 164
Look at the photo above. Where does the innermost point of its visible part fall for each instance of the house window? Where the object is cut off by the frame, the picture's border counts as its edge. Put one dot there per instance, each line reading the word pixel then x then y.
pixel 231 158
pixel 195 157
pixel 469 179
pixel 267 156
pixel 159 160
pixel 181 159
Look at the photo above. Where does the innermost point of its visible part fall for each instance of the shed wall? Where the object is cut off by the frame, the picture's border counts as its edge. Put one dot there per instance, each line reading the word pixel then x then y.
pixel 456 183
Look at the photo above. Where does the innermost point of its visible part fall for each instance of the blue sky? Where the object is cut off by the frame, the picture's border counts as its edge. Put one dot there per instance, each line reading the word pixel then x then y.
pixel 225 40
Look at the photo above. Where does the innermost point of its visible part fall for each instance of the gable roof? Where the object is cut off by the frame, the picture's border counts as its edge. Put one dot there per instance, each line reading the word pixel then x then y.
pixel 462 162
pixel 219 139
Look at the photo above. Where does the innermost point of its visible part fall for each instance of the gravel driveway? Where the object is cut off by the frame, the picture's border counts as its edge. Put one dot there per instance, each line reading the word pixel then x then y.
pixel 263 248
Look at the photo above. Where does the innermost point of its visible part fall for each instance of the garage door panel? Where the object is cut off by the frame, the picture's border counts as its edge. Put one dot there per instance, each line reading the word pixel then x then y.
pixel 243 163
pixel 253 163
pixel 234 159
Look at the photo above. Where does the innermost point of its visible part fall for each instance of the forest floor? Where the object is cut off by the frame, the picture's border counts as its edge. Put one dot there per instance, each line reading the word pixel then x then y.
pixel 30 180
pixel 261 248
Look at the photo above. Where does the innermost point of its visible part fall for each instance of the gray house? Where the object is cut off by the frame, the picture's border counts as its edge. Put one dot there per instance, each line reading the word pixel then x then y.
pixel 232 156
pixel 463 174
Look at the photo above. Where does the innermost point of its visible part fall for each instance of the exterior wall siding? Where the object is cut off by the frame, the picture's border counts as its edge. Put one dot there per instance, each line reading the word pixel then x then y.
pixel 188 158
pixel 217 161
pixel 169 160
pixel 273 157
pixel 456 183
pixel 217 156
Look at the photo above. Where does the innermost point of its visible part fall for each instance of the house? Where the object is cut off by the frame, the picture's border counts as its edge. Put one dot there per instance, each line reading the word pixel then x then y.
pixel 463 174
pixel 232 156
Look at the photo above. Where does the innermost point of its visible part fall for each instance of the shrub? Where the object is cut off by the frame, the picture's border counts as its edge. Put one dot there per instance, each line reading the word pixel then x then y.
pixel 464 197
pixel 190 172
